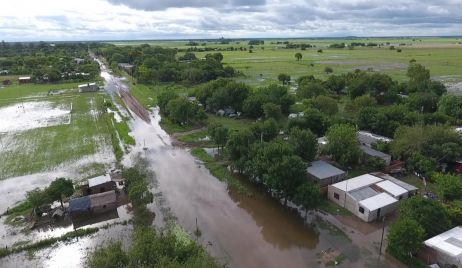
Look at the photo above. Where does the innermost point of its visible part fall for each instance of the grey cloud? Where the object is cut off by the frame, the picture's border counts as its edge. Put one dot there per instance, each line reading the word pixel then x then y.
pixel 164 4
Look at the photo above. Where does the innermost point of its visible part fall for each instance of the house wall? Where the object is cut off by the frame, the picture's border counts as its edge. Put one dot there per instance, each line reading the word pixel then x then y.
pixel 101 188
pixel 372 215
pixel 331 191
pixel 104 208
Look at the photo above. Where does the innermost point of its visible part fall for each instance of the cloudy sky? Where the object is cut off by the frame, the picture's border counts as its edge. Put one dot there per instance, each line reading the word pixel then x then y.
pixel 32 20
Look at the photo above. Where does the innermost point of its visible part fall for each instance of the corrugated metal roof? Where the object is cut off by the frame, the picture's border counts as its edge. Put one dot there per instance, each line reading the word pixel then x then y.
pixel 391 188
pixel 79 204
pixel 372 152
pixel 445 242
pixel 363 193
pixel 321 170
pixel 369 138
pixel 401 183
pixel 98 180
pixel 377 201
pixel 103 198
pixel 357 182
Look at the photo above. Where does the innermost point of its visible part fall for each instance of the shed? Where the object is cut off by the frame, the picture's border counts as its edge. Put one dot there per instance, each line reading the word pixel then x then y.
pixel 89 87
pixel 24 79
pixel 100 184
pixel 79 205
pixel 369 152
pixel 324 173
pixel 103 201
pixel 446 248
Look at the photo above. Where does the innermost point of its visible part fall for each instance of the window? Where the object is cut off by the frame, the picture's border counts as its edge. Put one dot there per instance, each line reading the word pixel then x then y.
pixel 361 209
pixel 400 197
pixel 336 196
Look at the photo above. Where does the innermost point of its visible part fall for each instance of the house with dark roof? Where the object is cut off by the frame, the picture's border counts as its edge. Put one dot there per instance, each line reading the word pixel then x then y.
pixel 324 174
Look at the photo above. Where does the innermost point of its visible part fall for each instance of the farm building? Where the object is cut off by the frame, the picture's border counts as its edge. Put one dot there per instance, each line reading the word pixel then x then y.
pixel 445 249
pixel 369 152
pixel 89 87
pixel 368 196
pixel 324 173
pixel 126 66
pixel 368 138
pixel 24 80
pixel 100 184
pixel 96 203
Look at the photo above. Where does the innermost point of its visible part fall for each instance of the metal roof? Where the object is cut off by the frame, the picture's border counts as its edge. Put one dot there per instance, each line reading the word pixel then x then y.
pixel 391 188
pixel 103 198
pixel 449 242
pixel 369 138
pixel 357 182
pixel 363 193
pixel 98 180
pixel 401 183
pixel 79 204
pixel 378 201
pixel 24 78
pixel 373 152
pixel 322 170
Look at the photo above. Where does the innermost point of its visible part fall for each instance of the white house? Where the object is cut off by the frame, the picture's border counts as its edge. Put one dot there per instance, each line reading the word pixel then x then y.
pixel 368 196
pixel 446 249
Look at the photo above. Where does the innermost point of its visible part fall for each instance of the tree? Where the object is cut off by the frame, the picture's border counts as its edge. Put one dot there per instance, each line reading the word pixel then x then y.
pixel 313 120
pixel 238 147
pixel 328 70
pixel 60 188
pixel 335 83
pixel 37 198
pixel 343 144
pixel 298 56
pixel 219 134
pixel 310 89
pixel 272 110
pixel 451 105
pixel 418 77
pixel 454 211
pixel 265 131
pixel 164 97
pixel 284 79
pixel 449 187
pixel 427 213
pixel 405 238
pixel 182 111
pixel 326 105
pixel 252 106
pixel 303 143
pixel 308 196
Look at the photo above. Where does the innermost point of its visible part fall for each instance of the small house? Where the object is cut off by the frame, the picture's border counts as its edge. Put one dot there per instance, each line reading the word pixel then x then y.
pixel 324 173
pixel 367 138
pixel 445 249
pixel 24 80
pixel 369 152
pixel 89 87
pixel 126 67
pixel 100 184
pixel 95 203
pixel 369 196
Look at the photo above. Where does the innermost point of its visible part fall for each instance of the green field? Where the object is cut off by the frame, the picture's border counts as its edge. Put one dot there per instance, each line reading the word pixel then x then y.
pixel 82 144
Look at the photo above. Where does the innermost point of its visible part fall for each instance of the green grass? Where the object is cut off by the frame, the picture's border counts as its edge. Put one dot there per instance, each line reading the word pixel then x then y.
pixel 219 171
pixel 231 123
pixel 193 137
pixel 171 127
pixel 333 209
pixel 41 149
pixel 123 130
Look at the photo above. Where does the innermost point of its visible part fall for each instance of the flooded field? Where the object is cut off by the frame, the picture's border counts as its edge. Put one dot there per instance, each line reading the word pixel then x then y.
pixel 30 115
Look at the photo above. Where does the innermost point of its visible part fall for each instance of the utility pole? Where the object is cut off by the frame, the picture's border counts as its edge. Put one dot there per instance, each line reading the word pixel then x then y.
pixel 381 241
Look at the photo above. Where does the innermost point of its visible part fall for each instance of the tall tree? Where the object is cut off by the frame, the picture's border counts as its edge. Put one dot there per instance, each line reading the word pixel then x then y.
pixel 343 144
pixel 219 134
pixel 59 189
pixel 298 56
pixel 405 238
pixel 303 143
pixel 308 196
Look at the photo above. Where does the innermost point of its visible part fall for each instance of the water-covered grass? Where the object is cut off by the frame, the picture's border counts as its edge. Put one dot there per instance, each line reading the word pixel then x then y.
pixel 82 141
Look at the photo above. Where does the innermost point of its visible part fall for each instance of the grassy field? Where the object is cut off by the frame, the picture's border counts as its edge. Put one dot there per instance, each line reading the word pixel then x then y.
pixel 83 143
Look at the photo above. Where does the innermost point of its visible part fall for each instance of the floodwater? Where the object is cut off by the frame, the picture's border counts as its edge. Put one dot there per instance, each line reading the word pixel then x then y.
pixel 29 115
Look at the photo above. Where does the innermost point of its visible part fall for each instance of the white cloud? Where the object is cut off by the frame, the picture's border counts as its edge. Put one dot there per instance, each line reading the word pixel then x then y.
pixel 120 19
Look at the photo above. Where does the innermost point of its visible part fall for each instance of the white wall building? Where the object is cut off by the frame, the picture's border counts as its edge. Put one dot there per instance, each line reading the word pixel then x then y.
pixel 369 196
pixel 446 248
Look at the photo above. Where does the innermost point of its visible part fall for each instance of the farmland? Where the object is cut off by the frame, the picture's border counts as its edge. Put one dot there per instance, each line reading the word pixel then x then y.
pixel 80 136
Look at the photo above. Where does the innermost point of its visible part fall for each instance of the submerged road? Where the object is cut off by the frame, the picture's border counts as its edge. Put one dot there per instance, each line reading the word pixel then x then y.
pixel 241 231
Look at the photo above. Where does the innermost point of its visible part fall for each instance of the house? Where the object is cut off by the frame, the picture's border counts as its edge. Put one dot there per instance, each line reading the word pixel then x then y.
pixel 4 72
pixel 89 87
pixel 100 184
pixel 369 152
pixel 369 196
pixel 367 138
pixel 324 173
pixel 126 67
pixel 24 79
pixel 79 60
pixel 226 112
pixel 445 249
pixel 95 203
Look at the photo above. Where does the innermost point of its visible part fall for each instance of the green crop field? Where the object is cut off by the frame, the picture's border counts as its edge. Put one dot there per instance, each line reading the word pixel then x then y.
pixel 81 143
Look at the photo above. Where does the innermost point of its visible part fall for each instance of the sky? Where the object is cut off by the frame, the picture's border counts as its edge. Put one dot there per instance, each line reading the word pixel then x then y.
pixel 70 20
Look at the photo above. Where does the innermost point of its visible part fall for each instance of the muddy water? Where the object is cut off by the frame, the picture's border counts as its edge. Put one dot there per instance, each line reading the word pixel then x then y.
pixel 242 231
